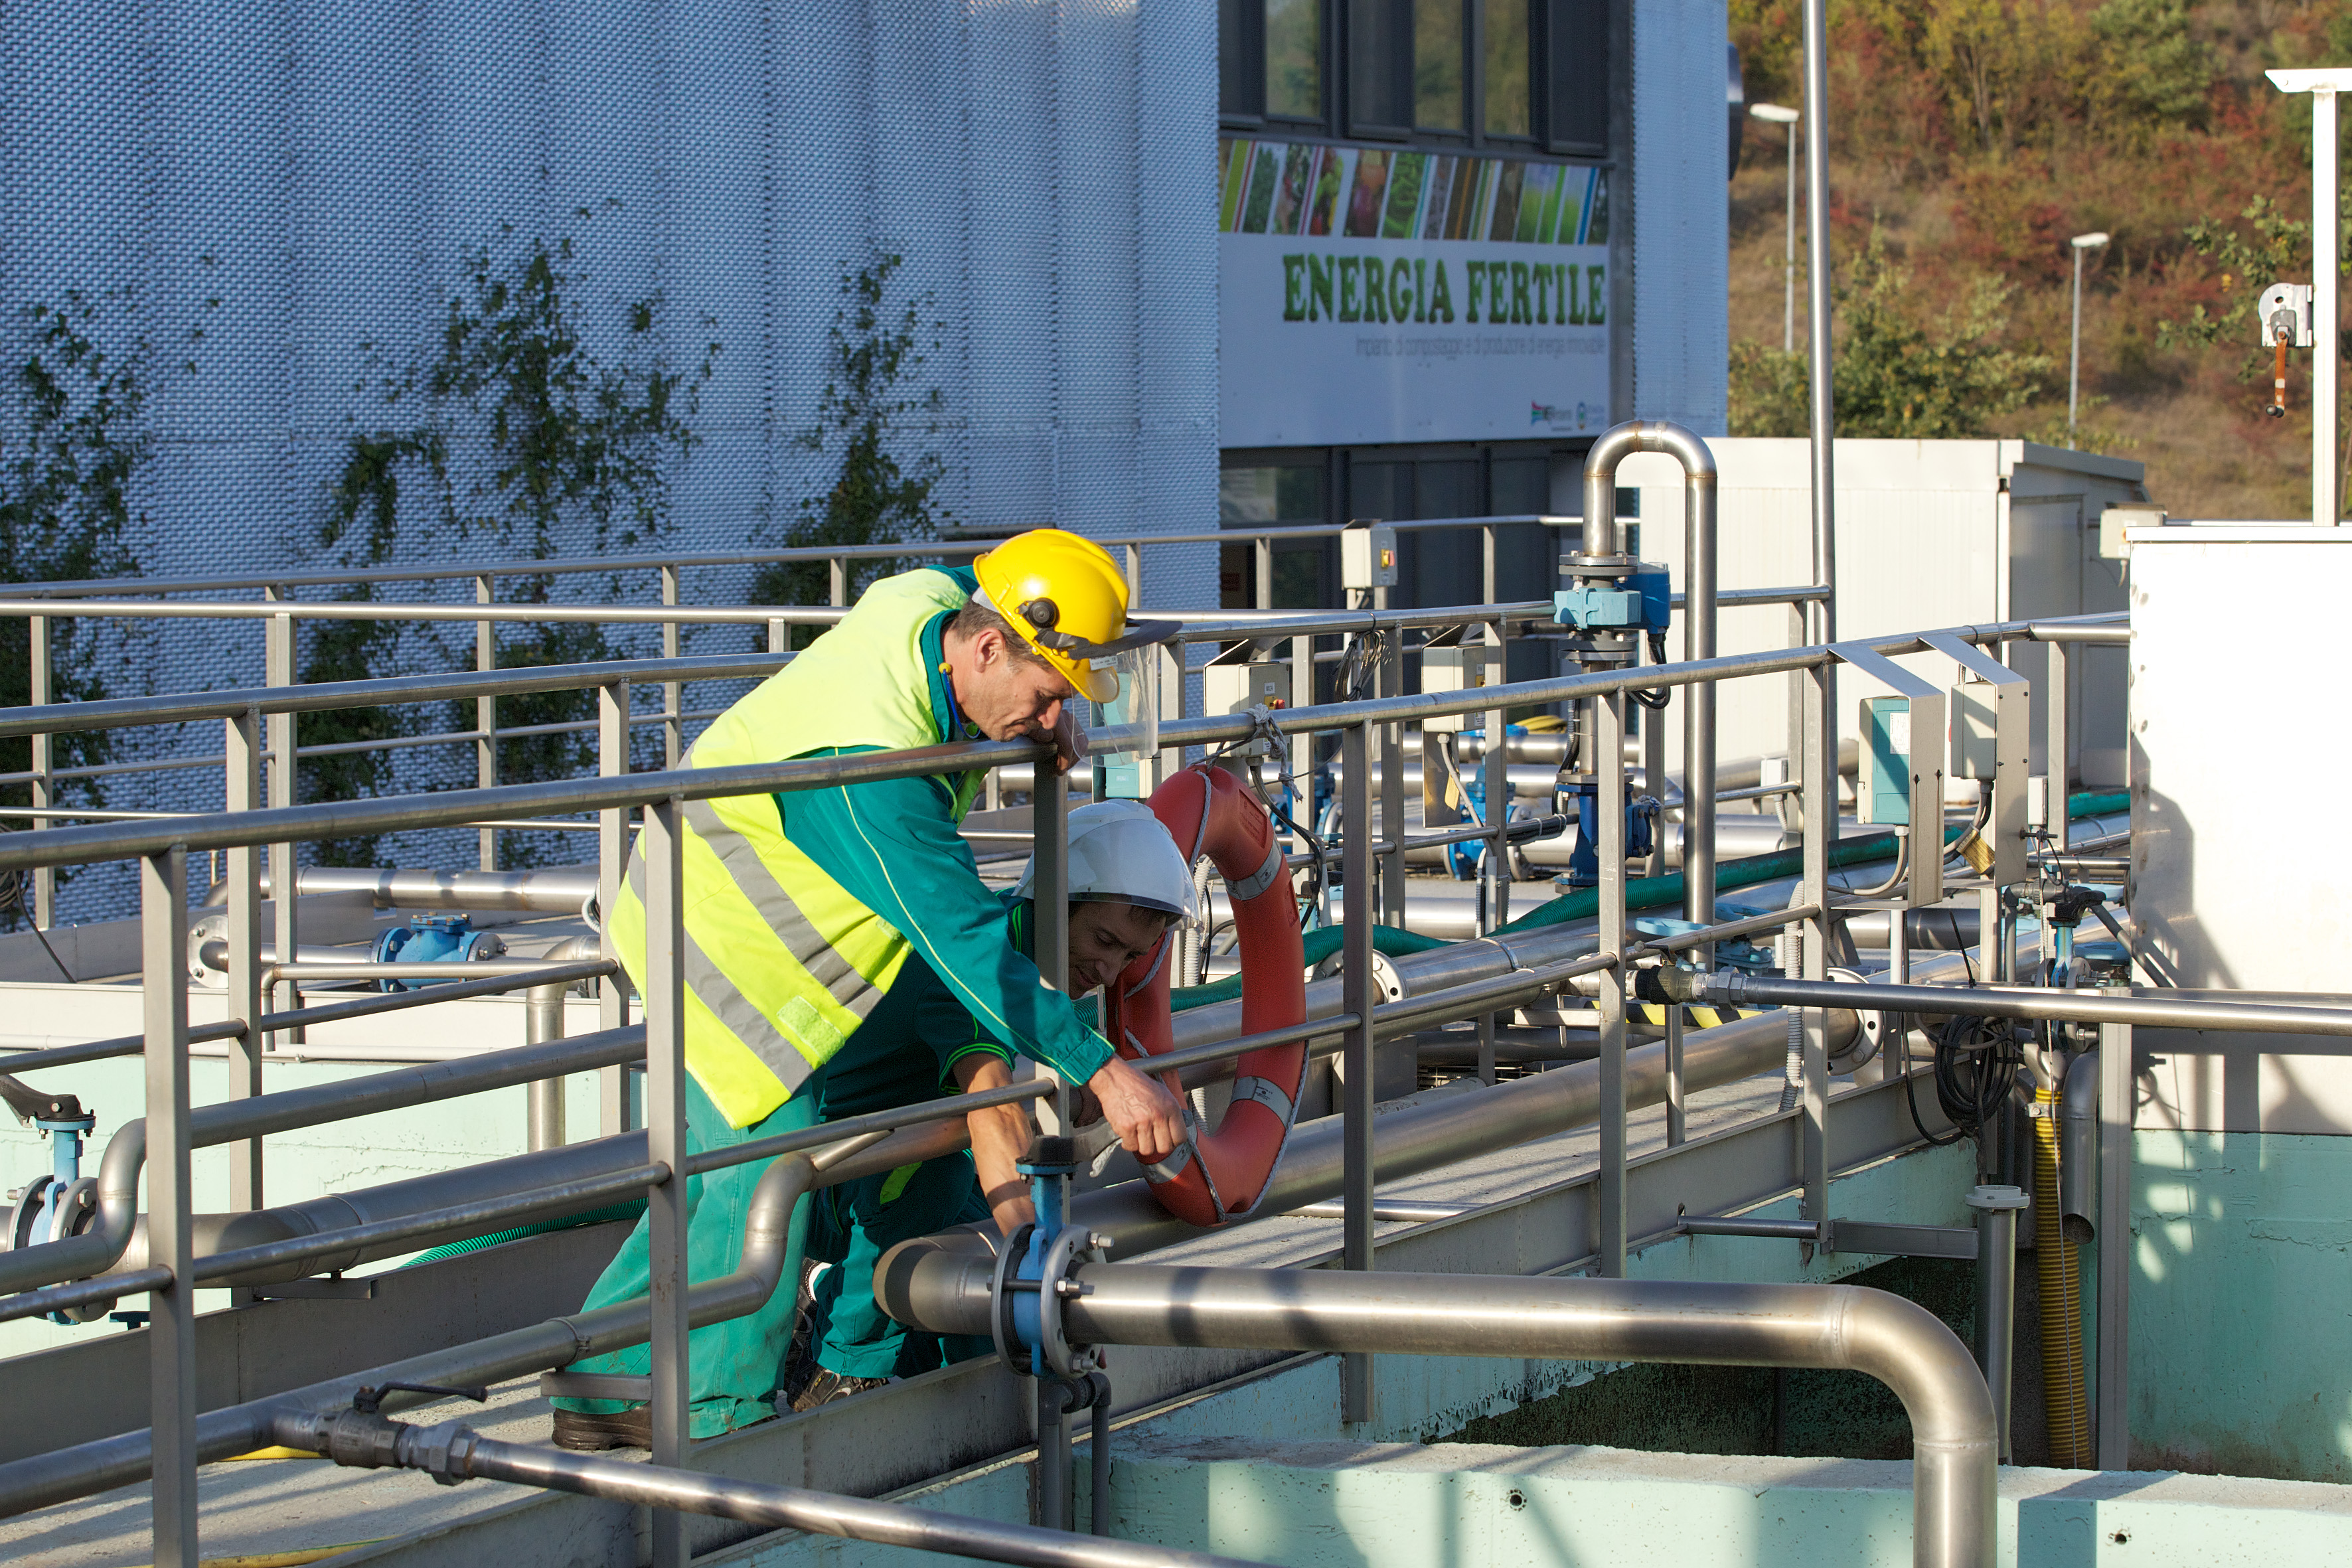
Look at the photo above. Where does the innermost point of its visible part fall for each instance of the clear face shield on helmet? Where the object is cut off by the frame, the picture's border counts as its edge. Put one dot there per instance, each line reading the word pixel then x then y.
pixel 1124 763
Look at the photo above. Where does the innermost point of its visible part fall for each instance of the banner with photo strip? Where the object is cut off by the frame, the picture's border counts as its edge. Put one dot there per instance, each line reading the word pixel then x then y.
pixel 1369 295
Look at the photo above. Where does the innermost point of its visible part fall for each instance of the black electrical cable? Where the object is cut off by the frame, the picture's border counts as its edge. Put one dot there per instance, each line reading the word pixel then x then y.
pixel 1977 1063
pixel 1944 1048
pixel 1655 700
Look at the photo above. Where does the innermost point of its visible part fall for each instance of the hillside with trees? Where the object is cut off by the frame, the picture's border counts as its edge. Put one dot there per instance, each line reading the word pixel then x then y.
pixel 1969 138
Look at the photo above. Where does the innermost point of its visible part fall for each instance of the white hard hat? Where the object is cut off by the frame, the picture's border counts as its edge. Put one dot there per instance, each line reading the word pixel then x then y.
pixel 1120 854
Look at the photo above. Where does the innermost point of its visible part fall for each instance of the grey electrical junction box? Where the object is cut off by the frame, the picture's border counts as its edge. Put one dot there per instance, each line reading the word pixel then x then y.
pixel 1367 556
pixel 1235 683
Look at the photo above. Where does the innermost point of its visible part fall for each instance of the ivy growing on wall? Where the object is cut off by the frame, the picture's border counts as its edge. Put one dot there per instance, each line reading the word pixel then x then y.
pixel 871 407
pixel 519 442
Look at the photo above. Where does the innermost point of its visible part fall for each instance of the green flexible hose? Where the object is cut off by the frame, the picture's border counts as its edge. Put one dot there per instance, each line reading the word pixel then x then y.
pixel 1642 893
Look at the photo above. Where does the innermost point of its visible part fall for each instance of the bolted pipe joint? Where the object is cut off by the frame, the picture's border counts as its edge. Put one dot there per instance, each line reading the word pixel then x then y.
pixel 364 1440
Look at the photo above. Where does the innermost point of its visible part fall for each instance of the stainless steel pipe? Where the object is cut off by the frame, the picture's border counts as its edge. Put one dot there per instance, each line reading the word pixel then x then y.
pixel 1901 1344
pixel 101 1466
pixel 2144 1007
pixel 1601 538
pixel 453 1452
pixel 227 1122
pixel 549 889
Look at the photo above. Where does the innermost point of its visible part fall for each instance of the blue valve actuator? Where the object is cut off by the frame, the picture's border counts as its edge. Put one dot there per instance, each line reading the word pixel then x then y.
pixel 1641 601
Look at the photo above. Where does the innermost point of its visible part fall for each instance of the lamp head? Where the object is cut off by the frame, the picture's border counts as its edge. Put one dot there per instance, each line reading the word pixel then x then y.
pixel 2088 241
pixel 1773 112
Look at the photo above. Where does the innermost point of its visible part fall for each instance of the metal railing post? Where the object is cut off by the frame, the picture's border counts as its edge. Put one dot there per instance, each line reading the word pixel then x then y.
pixel 1392 889
pixel 172 1321
pixel 1698 705
pixel 542 1022
pixel 2118 1078
pixel 611 863
pixel 1356 1387
pixel 1677 1087
pixel 780 635
pixel 836 574
pixel 2058 764
pixel 664 997
pixel 1497 868
pixel 486 713
pixel 1793 735
pixel 1821 819
pixel 243 793
pixel 674 692
pixel 1609 716
pixel 285 874
pixel 1049 846
pixel 1264 550
pixel 45 879
pixel 1302 743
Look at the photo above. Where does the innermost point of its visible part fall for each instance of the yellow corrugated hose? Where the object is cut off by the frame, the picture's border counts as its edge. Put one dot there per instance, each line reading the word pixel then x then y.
pixel 287 1559
pixel 2059 1270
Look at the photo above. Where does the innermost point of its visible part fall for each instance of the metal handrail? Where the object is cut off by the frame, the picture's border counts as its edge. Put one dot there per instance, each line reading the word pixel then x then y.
pixel 576 566
pixel 393 814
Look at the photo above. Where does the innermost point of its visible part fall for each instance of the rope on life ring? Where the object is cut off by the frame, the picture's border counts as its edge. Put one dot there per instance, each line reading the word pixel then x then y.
pixel 1216 1177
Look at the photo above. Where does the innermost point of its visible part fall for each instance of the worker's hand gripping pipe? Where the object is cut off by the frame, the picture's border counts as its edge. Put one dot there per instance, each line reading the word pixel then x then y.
pixel 1031 1286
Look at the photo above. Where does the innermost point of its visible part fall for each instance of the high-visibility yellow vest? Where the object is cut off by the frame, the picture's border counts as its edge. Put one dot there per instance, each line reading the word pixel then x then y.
pixel 781 963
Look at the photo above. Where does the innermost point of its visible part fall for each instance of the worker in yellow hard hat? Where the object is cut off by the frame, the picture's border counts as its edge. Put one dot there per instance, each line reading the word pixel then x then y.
pixel 803 907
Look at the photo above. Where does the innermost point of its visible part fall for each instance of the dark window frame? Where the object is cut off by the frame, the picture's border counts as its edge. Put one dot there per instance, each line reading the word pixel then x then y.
pixel 1570 69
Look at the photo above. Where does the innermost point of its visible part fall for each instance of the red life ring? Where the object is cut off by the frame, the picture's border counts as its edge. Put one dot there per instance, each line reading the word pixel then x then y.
pixel 1220 1176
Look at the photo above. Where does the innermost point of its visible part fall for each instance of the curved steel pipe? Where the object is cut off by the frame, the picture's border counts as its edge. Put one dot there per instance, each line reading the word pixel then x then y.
pixel 1601 538
pixel 90 1468
pixel 102 1244
pixel 453 1452
pixel 1849 1327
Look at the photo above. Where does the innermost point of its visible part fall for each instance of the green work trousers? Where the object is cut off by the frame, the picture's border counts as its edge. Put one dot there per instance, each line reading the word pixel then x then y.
pixel 851 1227
pixel 735 1365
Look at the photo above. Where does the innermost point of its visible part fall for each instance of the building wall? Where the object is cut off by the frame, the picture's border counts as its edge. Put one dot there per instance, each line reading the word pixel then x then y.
pixel 1929 534
pixel 1681 242
pixel 320 171
pixel 283 199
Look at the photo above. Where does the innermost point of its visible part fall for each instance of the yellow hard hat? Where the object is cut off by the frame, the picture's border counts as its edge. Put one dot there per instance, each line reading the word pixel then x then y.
pixel 1064 597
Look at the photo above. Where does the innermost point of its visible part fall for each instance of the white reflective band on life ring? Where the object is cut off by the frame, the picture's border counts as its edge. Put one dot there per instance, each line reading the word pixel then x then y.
pixel 1263 878
pixel 1266 1092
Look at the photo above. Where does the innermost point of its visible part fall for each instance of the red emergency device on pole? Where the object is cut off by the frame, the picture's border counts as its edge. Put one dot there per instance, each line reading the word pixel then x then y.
pixel 1218 1176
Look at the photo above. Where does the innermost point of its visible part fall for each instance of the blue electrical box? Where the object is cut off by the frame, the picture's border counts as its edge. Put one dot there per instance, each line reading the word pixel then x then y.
pixel 1883 796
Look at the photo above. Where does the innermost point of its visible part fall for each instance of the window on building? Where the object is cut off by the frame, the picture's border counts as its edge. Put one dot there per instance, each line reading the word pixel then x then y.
pixel 1269 496
pixel 1294 60
pixel 1509 99
pixel 1444 72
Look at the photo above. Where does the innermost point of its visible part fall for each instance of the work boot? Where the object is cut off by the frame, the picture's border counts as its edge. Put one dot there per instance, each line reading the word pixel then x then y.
pixel 800 1360
pixel 585 1434
pixel 827 1387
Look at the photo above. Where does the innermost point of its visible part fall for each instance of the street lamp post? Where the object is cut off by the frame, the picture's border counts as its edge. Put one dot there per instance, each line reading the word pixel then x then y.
pixel 1787 119
pixel 2080 242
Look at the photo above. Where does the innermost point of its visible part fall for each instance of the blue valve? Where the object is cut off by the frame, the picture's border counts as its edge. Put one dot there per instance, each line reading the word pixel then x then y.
pixel 433 939
pixel 1032 1271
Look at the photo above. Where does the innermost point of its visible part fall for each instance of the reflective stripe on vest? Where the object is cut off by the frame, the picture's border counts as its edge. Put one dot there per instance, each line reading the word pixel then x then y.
pixel 781 964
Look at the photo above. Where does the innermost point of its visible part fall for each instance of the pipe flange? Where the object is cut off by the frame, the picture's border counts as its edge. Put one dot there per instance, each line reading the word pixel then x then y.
pixel 25 1218
pixel 1875 1028
pixel 999 1303
pixel 1070 1249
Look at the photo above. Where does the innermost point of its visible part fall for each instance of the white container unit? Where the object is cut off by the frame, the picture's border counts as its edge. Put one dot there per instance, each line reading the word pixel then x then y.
pixel 1929 533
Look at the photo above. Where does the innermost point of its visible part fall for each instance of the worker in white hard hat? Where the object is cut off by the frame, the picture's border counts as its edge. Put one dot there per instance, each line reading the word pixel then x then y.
pixel 1128 883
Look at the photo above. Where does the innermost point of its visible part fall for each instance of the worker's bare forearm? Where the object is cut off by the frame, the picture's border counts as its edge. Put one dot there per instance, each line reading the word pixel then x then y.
pixel 1000 1134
